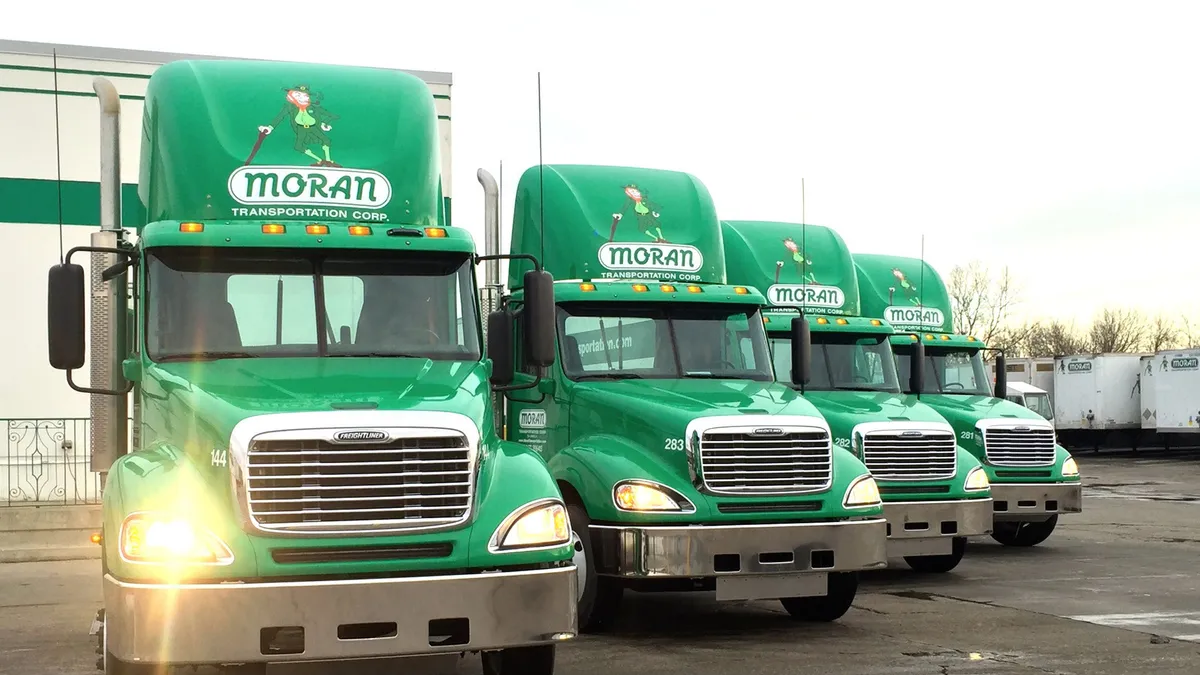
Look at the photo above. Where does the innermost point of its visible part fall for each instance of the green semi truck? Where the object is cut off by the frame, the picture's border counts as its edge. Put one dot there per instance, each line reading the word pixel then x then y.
pixel 315 472
pixel 1033 478
pixel 935 493
pixel 684 464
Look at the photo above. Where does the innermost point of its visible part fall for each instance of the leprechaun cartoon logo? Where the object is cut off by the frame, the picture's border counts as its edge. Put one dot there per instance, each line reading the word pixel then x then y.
pixel 907 287
pixel 799 259
pixel 310 123
pixel 638 201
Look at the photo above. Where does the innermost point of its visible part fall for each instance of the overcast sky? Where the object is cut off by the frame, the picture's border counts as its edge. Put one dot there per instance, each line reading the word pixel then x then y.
pixel 1061 139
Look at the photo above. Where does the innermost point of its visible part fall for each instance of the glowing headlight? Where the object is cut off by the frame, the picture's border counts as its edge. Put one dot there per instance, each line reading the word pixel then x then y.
pixel 976 480
pixel 1070 468
pixel 862 492
pixel 643 496
pixel 542 523
pixel 169 539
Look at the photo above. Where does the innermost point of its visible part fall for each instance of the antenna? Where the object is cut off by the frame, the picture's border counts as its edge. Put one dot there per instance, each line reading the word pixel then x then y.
pixel 921 289
pixel 58 158
pixel 541 183
pixel 803 248
pixel 500 219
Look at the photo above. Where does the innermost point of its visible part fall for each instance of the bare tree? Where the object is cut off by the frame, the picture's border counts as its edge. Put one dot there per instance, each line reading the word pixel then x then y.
pixel 1044 338
pixel 1163 333
pixel 1189 333
pixel 1118 330
pixel 980 303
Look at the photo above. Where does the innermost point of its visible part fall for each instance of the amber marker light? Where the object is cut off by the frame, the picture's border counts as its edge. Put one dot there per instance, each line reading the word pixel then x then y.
pixel 435 232
pixel 191 227
pixel 695 289
pixel 741 290
pixel 273 228
pixel 842 322
pixel 360 230
pixel 667 288
pixel 876 322
pixel 587 287
pixel 822 320
pixel 317 229
pixel 640 288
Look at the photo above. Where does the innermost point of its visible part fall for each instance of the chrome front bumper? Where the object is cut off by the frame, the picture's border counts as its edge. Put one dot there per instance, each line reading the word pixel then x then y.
pixel 694 551
pixel 341 619
pixel 929 528
pixel 1035 501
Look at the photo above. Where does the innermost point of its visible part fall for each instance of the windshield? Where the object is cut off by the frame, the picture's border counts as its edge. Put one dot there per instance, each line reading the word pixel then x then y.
pixel 948 371
pixel 613 341
pixel 238 303
pixel 1040 404
pixel 841 362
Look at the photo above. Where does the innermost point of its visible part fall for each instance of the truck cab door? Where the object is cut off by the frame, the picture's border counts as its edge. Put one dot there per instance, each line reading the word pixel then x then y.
pixel 537 417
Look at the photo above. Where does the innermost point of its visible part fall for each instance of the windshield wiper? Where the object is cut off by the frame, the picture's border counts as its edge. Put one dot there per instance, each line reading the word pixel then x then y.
pixel 206 356
pixel 398 355
pixel 882 390
pixel 610 376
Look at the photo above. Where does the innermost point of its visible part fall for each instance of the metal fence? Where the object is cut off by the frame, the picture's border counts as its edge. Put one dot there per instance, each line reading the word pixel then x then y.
pixel 46 461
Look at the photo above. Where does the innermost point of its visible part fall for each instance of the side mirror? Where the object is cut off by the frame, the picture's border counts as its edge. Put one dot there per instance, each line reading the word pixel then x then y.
pixel 65 321
pixel 1001 377
pixel 538 315
pixel 500 347
pixel 801 351
pixel 916 368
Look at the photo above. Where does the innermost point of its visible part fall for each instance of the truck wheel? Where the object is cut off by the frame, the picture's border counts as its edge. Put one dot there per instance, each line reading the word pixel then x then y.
pixel 1023 533
pixel 599 597
pixel 938 564
pixel 537 660
pixel 843 586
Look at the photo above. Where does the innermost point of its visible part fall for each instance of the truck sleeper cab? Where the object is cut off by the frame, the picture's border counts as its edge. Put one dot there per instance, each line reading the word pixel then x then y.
pixel 935 493
pixel 1033 478
pixel 684 465
pixel 309 479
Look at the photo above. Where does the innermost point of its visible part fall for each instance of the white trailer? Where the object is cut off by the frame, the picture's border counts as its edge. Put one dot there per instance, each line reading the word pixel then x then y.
pixel 1177 375
pixel 1034 370
pixel 1097 392
pixel 1034 398
pixel 1147 387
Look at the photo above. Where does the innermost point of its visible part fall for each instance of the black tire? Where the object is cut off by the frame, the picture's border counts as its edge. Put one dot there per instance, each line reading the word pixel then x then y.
pixel 938 564
pixel 1024 533
pixel 843 586
pixel 538 660
pixel 600 598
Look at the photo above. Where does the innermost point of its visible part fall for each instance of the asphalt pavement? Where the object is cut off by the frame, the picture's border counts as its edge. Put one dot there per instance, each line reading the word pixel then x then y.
pixel 1115 591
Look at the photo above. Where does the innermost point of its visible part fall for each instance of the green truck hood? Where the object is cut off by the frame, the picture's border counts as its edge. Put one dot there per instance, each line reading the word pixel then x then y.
pixel 962 412
pixel 651 417
pixel 844 409
pixel 219 394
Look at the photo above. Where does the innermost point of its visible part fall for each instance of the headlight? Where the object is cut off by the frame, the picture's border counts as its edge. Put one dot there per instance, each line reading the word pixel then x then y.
pixel 169 539
pixel 976 480
pixel 540 524
pixel 1070 468
pixel 647 496
pixel 862 492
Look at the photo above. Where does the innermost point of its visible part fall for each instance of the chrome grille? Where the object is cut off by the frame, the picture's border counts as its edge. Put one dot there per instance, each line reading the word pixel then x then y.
pixel 1019 447
pixel 912 455
pixel 791 462
pixel 315 485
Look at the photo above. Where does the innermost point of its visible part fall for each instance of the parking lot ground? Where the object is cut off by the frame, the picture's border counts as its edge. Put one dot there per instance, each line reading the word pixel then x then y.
pixel 1115 591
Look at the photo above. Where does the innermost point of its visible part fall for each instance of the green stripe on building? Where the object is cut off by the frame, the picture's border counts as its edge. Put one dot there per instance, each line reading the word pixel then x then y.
pixel 61 92
pixel 35 201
